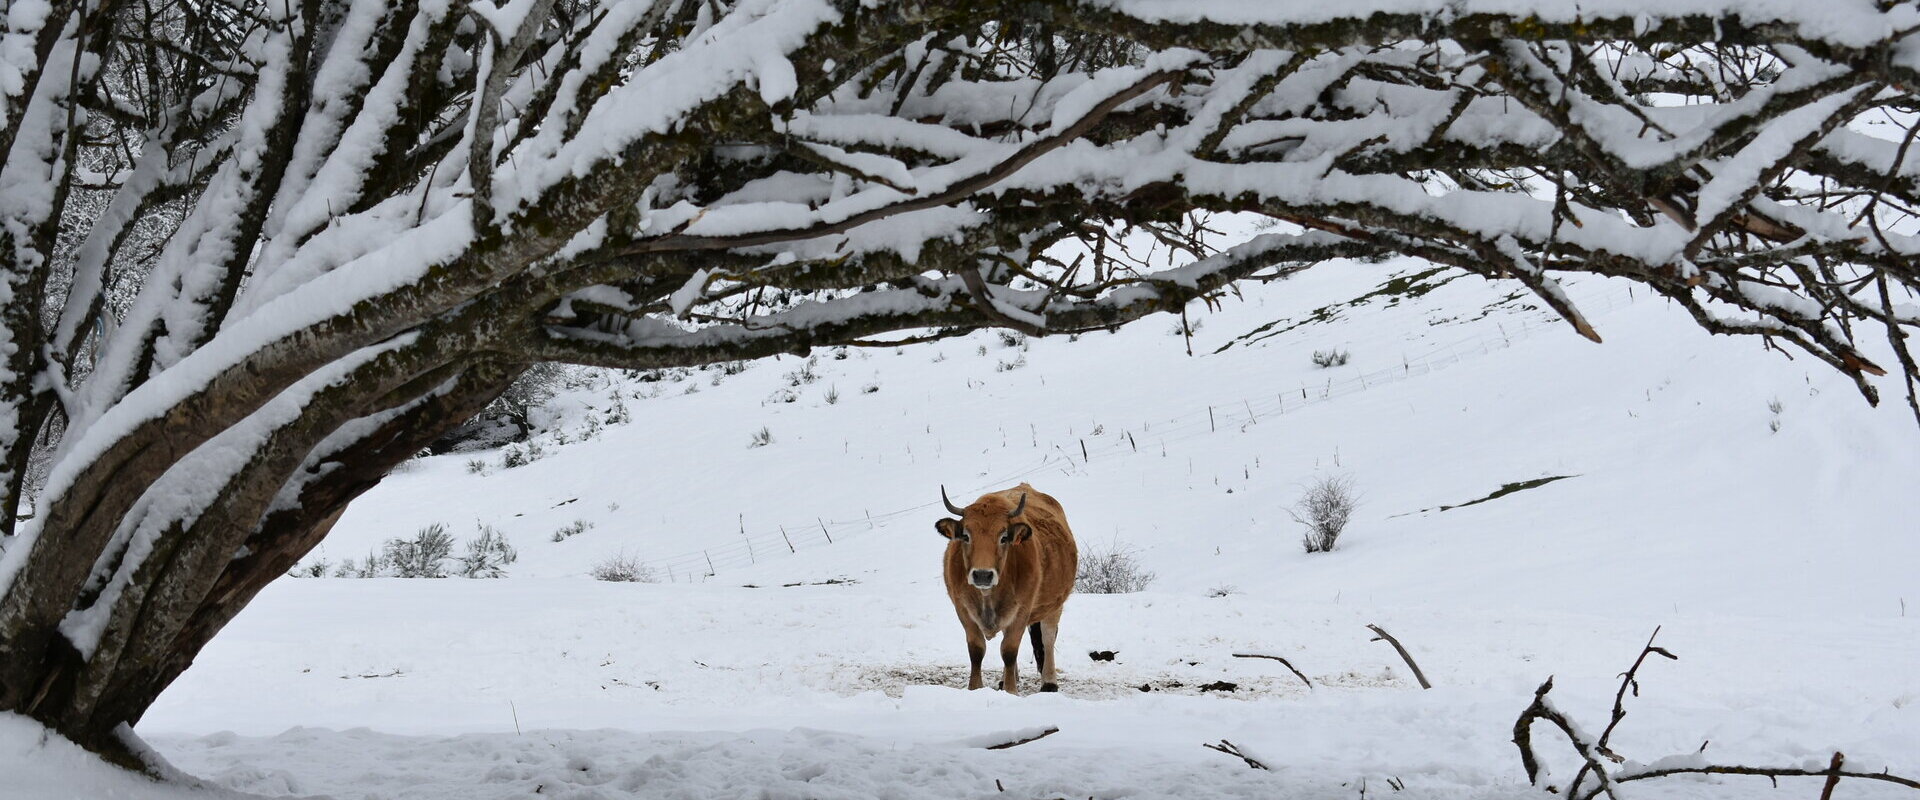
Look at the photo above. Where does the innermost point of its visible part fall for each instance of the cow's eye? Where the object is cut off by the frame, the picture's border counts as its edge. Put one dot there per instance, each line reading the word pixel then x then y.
pixel 1007 537
pixel 963 535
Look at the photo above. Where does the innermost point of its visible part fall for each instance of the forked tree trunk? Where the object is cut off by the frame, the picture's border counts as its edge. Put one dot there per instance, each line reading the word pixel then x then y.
pixel 90 701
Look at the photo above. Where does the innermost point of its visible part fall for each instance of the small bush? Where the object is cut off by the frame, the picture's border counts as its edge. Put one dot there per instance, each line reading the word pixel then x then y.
pixel 1011 338
pixel 833 395
pixel 1223 590
pixel 370 568
pixel 617 413
pixel 1009 366
pixel 1324 508
pixel 314 569
pixel 347 569
pixel 476 466
pixel 572 529
pixel 761 438
pixel 623 568
pixel 423 556
pixel 804 375
pixel 1327 359
pixel 1114 570
pixel 487 555
pixel 520 455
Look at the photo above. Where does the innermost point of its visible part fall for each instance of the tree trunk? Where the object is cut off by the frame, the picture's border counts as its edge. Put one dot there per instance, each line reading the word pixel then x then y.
pixel 89 700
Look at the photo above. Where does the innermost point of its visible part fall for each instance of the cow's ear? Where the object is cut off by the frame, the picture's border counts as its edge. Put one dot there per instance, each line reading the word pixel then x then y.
pixel 1021 531
pixel 947 527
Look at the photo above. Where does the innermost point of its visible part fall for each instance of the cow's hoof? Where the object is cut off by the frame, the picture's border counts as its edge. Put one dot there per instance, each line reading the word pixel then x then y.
pixel 1049 687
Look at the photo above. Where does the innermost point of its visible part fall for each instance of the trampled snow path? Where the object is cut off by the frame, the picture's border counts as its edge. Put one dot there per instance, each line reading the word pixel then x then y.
pixel 1779 562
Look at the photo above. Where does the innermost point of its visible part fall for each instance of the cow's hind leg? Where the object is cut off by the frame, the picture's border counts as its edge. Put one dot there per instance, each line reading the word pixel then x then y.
pixel 1010 656
pixel 1044 634
pixel 976 651
pixel 1039 649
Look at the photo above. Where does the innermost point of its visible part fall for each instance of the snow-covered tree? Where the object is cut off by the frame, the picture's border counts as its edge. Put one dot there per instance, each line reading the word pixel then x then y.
pixel 257 253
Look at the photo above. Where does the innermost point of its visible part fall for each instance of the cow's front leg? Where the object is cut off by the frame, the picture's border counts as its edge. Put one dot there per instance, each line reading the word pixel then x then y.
pixel 976 650
pixel 1010 655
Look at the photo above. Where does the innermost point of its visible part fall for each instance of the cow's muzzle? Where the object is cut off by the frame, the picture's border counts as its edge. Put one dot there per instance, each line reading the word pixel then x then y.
pixel 985 578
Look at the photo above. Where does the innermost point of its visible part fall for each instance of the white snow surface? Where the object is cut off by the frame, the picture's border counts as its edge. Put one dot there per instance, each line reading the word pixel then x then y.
pixel 1778 561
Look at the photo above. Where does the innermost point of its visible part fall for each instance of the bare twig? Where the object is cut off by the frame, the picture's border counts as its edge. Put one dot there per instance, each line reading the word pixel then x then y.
pixel 1049 731
pixel 1288 664
pixel 1382 636
pixel 1628 683
pixel 1234 750
pixel 1767 772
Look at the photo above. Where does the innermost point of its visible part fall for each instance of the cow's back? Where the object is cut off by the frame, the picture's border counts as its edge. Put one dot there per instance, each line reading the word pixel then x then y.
pixel 1059 556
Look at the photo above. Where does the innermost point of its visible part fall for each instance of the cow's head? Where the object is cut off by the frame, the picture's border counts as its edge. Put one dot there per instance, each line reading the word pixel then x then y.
pixel 984 532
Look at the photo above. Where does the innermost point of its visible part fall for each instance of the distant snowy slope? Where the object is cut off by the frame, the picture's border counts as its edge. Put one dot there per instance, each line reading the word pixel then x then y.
pixel 1678 492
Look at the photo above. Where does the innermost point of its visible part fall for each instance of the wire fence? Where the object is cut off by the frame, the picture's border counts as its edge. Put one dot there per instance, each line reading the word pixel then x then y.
pixel 745 548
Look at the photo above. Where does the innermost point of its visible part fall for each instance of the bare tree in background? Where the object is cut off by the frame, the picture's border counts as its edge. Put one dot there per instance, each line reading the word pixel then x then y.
pixel 254 254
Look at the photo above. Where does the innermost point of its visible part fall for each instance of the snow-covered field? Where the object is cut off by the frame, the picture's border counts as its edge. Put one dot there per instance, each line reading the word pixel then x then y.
pixel 1751 505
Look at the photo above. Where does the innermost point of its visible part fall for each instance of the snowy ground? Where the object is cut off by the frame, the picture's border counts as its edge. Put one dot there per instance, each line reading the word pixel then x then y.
pixel 1779 562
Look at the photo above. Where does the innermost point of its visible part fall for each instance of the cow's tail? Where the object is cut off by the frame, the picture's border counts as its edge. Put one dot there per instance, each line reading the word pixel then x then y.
pixel 1039 648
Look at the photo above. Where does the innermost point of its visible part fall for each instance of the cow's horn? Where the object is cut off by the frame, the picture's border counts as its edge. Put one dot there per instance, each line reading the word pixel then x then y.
pixel 1019 508
pixel 950 507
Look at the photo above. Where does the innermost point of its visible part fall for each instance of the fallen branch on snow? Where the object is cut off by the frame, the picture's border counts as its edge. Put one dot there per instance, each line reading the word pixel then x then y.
pixel 1596 754
pixel 1234 750
pixel 1016 738
pixel 1382 636
pixel 1288 664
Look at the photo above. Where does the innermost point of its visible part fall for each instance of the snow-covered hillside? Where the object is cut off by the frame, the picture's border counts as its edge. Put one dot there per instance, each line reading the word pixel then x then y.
pixel 799 642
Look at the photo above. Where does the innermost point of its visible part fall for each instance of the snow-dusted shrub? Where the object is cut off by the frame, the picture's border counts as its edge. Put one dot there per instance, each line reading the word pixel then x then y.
pixel 1324 508
pixel 623 568
pixel 1009 366
pixel 316 568
pixel 423 556
pixel 476 466
pixel 1223 590
pixel 833 395
pixel 805 374
pixel 520 455
pixel 487 555
pixel 1115 569
pixel 761 438
pixel 1326 359
pixel 1011 338
pixel 572 529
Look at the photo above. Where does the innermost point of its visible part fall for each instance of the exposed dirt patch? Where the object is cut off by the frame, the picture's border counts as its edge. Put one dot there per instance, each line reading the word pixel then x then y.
pixel 1104 682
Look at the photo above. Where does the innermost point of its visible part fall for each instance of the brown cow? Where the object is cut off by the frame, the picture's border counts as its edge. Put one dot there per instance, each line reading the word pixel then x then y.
pixel 1010 565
